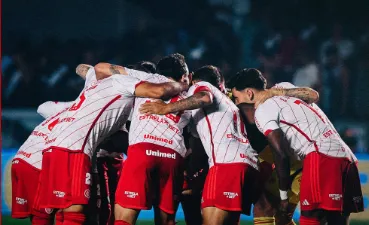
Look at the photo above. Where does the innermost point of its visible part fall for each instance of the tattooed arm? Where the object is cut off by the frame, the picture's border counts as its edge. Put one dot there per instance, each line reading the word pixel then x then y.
pixel 306 94
pixel 198 100
pixel 82 69
pixel 104 70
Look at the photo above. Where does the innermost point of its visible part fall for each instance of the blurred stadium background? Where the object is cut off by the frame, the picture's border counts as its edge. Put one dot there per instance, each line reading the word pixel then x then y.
pixel 323 44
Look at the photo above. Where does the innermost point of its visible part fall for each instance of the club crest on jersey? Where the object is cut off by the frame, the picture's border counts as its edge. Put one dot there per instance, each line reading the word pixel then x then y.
pixel 157 153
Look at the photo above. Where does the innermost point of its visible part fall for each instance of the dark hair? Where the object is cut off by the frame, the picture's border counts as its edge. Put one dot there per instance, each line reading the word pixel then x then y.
pixel 144 66
pixel 173 66
pixel 248 78
pixel 209 74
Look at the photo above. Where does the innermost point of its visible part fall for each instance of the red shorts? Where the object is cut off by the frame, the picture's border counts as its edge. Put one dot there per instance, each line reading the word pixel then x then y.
pixel 24 189
pixel 230 187
pixel 65 179
pixel 150 171
pixel 330 183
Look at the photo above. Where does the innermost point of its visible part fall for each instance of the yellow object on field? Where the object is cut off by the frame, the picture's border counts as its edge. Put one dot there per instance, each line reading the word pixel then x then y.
pixel 272 184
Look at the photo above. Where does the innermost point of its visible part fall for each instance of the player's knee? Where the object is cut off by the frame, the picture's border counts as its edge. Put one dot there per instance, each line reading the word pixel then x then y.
pixel 74 208
pixel 124 214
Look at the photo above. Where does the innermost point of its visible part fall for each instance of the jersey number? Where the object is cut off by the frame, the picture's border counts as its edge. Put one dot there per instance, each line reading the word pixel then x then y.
pixel 53 124
pixel 78 105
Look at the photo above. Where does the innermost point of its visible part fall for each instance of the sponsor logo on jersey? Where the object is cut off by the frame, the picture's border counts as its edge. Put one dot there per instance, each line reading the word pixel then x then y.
pixel 305 202
pixel 335 197
pixel 160 120
pixel 155 138
pixel 242 140
pixel 20 201
pixel 131 194
pixel 59 194
pixel 244 156
pixel 157 153
pixel 230 195
pixel 24 154
pixel 50 141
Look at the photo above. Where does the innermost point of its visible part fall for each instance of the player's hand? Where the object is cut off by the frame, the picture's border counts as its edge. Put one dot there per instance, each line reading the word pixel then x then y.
pixel 157 107
pixel 265 95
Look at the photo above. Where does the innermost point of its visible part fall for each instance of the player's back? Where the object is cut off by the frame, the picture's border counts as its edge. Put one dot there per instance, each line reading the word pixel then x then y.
pixel 162 130
pixel 305 128
pixel 221 129
pixel 100 110
pixel 31 149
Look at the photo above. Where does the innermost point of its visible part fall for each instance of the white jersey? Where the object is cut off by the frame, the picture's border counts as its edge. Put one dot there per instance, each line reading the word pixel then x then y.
pixel 287 85
pixel 100 110
pixel 31 150
pixel 305 128
pixel 221 129
pixel 162 130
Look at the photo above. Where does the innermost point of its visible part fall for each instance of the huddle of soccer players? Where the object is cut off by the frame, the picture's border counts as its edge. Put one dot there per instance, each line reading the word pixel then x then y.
pixel 174 127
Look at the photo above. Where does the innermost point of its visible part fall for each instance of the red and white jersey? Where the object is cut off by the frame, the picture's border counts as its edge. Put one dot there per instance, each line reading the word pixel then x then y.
pixel 101 109
pixel 305 128
pixel 221 129
pixel 163 130
pixel 287 85
pixel 31 150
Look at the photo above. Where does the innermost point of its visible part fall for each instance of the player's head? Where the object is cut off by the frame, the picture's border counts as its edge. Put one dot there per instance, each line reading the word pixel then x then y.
pixel 246 84
pixel 210 74
pixel 144 66
pixel 174 66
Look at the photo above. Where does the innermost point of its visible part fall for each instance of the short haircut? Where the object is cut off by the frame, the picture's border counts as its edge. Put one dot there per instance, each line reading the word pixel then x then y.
pixel 209 74
pixel 248 78
pixel 173 66
pixel 146 66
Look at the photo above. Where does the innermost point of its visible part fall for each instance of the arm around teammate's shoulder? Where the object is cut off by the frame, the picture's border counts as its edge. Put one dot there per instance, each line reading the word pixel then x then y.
pixel 160 91
pixel 104 70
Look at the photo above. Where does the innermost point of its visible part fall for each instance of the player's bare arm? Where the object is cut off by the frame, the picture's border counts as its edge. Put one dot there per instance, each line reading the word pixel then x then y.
pixel 82 69
pixel 160 91
pixel 306 94
pixel 279 144
pixel 104 70
pixel 198 100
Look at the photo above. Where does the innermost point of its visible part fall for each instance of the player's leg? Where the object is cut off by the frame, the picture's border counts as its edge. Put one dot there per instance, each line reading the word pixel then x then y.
pixel 312 217
pixel 114 168
pixel 216 216
pixel 134 191
pixel 191 205
pixel 170 177
pixel 80 189
pixel 264 206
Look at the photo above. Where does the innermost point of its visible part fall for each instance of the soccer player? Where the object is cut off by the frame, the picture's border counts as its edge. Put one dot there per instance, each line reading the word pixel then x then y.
pixel 232 161
pixel 266 208
pixel 101 109
pixel 158 142
pixel 330 185
pixel 26 167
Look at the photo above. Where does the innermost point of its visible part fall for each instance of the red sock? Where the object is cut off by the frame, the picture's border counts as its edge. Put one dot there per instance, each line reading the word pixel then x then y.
pixel 121 222
pixel 42 220
pixel 59 218
pixel 308 221
pixel 73 218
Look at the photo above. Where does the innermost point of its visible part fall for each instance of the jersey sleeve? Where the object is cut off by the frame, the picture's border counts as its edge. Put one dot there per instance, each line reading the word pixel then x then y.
pixel 200 86
pixel 284 85
pixel 149 77
pixel 50 108
pixel 90 76
pixel 125 85
pixel 267 117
